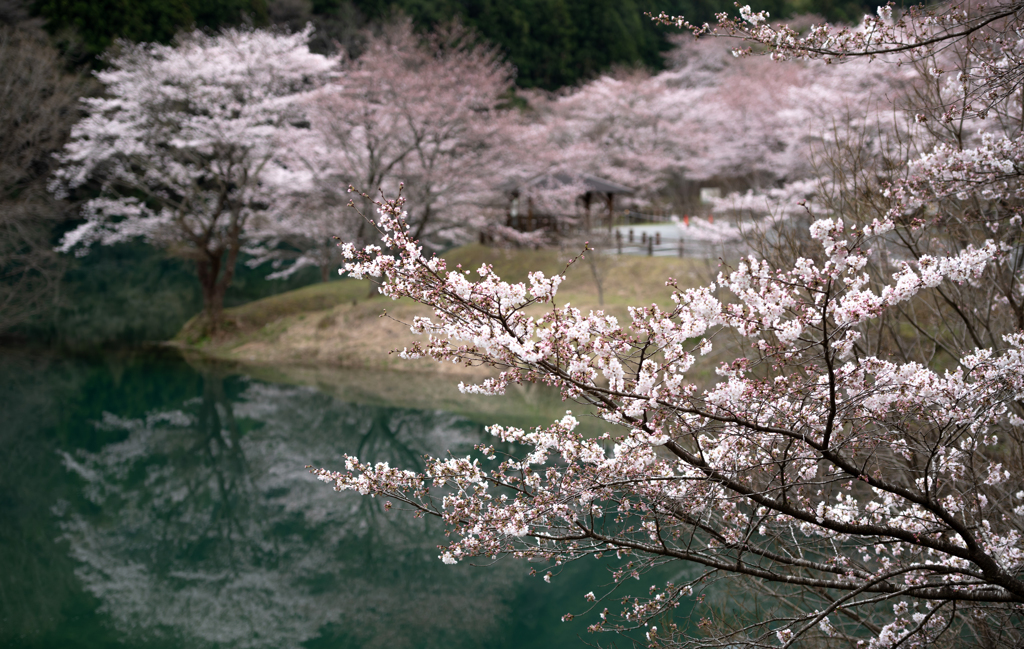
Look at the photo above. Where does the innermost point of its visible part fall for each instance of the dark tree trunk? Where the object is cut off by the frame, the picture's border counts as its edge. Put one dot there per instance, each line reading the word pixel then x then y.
pixel 586 212
pixel 216 272
pixel 427 213
pixel 208 268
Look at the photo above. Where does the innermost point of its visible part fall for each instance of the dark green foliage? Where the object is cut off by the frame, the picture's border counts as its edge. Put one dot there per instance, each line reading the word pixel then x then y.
pixel 126 293
pixel 99 22
pixel 132 293
pixel 554 43
pixel 214 14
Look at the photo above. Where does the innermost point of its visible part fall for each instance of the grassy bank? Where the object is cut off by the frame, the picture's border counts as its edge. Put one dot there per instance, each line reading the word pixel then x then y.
pixel 337 324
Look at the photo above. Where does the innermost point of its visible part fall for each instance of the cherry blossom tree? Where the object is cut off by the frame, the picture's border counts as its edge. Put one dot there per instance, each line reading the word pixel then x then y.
pixel 858 459
pixel 179 149
pixel 955 184
pixel 628 128
pixel 302 227
pixel 710 118
pixel 422 111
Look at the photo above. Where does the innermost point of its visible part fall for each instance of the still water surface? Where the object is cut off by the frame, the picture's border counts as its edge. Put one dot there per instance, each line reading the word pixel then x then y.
pixel 147 503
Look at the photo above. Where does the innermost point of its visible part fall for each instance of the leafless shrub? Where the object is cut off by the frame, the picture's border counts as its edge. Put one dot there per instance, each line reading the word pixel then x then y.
pixel 37 108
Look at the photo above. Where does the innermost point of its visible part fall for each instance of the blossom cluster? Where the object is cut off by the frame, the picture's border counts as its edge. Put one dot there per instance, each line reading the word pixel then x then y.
pixel 180 141
pixel 811 462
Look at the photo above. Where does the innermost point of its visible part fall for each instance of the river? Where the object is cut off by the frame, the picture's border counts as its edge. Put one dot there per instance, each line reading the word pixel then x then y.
pixel 146 501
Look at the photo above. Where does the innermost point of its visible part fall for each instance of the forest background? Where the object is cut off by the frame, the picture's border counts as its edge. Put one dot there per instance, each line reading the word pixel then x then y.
pixel 131 292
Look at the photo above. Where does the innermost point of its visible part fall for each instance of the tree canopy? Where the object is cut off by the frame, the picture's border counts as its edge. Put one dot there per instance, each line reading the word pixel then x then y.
pixel 555 43
pixel 99 22
pixel 855 460
pixel 180 147
pixel 552 43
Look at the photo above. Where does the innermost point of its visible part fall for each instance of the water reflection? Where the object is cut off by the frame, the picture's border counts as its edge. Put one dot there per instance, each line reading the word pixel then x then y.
pixel 200 526
pixel 146 504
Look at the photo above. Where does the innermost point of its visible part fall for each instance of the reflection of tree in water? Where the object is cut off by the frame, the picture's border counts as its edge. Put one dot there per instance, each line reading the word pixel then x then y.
pixel 381 442
pixel 205 527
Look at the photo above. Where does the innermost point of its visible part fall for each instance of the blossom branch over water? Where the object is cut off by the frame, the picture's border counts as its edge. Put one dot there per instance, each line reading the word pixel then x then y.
pixel 811 463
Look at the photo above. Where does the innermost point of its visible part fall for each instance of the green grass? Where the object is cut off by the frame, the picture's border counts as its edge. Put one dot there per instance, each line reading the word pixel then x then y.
pixel 260 313
pixel 627 280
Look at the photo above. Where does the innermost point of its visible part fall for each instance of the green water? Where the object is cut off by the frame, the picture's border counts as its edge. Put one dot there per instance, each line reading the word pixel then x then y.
pixel 145 503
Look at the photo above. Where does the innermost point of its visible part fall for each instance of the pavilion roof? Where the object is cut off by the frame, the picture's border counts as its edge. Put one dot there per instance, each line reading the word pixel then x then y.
pixel 556 179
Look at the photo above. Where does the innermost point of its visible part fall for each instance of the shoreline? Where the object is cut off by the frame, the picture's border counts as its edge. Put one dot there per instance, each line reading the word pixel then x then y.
pixel 337 325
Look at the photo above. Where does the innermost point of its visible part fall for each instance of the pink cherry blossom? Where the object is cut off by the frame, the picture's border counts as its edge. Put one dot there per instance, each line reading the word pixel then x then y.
pixel 812 462
pixel 181 145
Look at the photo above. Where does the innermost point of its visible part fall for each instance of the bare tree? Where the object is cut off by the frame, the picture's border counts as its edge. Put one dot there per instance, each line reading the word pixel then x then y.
pixel 37 108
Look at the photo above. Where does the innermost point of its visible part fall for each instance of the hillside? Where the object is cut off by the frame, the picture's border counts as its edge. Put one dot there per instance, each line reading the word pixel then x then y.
pixel 336 324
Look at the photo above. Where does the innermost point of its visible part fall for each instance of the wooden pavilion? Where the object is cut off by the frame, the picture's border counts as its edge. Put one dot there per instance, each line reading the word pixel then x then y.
pixel 596 190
